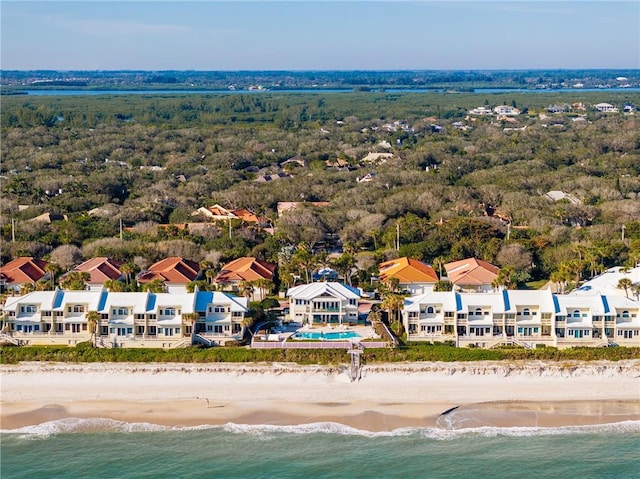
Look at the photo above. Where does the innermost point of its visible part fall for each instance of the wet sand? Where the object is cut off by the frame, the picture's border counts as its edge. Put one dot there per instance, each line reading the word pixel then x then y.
pixel 388 397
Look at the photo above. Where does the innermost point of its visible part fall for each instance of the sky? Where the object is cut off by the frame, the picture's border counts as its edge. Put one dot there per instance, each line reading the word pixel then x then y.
pixel 319 35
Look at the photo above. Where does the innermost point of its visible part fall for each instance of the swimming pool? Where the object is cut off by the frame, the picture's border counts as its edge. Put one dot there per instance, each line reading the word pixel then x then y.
pixel 329 336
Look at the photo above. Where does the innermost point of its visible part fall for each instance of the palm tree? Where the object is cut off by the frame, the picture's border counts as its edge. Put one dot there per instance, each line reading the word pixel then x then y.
pixel 439 262
pixel 345 264
pixel 189 319
pixel 53 269
pixel 263 285
pixel 393 303
pixel 26 288
pixel 626 284
pixel 504 278
pixel 75 280
pixel 304 259
pixel 93 320
pixel 114 286
pixel 155 286
pixel 128 269
pixel 246 288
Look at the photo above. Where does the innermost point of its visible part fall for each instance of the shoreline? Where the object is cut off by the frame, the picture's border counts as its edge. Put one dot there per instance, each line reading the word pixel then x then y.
pixel 388 397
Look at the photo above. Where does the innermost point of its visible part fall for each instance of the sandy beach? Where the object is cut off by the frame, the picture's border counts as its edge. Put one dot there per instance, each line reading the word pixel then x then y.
pixel 388 397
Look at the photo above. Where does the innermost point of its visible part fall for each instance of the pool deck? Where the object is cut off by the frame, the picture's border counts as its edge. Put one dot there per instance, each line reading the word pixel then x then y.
pixel 365 332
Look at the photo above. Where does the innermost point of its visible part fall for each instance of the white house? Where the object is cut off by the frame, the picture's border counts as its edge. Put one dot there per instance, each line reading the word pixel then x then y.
pixel 606 108
pixel 323 303
pixel 127 319
pixel 528 318
pixel 506 110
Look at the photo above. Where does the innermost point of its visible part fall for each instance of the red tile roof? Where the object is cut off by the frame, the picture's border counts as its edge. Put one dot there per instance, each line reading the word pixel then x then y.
pixel 407 270
pixel 471 271
pixel 101 269
pixel 24 270
pixel 245 269
pixel 171 270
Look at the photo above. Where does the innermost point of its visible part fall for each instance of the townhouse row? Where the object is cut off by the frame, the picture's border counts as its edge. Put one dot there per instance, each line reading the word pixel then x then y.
pixel 529 318
pixel 124 319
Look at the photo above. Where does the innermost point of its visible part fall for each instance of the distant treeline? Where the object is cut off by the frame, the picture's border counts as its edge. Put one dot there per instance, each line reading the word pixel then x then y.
pixel 330 79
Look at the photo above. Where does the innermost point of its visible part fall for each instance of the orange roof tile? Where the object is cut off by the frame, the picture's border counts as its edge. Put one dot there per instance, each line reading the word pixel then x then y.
pixel 171 270
pixel 245 269
pixel 101 269
pixel 471 271
pixel 407 270
pixel 24 270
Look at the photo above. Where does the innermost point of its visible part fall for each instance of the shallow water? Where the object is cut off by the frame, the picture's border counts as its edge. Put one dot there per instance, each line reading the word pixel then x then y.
pixel 101 448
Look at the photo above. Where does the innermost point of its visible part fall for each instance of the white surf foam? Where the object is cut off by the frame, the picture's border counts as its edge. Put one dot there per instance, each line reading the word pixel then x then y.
pixel 268 431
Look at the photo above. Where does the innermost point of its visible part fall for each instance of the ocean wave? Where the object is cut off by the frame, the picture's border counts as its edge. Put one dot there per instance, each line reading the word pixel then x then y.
pixel 270 431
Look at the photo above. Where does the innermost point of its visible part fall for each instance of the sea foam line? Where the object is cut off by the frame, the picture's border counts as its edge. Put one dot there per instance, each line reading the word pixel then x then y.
pixel 78 425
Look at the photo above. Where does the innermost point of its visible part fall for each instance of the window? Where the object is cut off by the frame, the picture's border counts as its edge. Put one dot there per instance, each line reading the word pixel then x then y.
pixel 29 308
pixel 237 314
pixel 237 328
pixel 220 309
pixel 478 312
pixel 78 308
pixel 169 312
pixel 576 313
pixel 526 312
pixel 625 314
pixel 217 329
pixel 120 311
pixel 430 310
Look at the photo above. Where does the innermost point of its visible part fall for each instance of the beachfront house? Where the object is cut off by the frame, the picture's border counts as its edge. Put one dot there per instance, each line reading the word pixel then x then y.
pixel 323 303
pixel 173 272
pixel 21 271
pixel 412 275
pixel 100 269
pixel 247 276
pixel 140 319
pixel 527 318
pixel 471 275
pixel 220 317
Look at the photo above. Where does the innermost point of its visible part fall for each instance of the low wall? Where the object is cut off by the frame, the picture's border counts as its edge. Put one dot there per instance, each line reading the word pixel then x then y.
pixel 315 344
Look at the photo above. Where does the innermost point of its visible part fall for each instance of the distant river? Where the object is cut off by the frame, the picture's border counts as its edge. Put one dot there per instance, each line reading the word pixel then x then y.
pixel 51 92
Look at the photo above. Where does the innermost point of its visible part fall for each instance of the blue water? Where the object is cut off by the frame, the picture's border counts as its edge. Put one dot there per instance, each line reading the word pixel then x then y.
pixel 329 336
pixel 75 449
pixel 52 92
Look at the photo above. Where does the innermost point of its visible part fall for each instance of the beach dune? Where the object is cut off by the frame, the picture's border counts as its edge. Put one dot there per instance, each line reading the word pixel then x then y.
pixel 388 397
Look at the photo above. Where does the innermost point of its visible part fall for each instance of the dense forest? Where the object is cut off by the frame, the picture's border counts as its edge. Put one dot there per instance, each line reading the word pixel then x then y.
pixel 446 185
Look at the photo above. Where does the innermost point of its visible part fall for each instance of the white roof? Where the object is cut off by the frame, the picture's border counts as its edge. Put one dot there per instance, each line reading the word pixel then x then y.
pixel 91 298
pixel 597 304
pixel 205 298
pixel 538 297
pixel 313 290
pixel 449 300
pixel 607 282
pixel 185 301
pixel 138 301
pixel 46 300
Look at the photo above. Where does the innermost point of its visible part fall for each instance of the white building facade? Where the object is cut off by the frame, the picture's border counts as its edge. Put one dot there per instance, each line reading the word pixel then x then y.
pixel 527 318
pixel 163 320
pixel 323 303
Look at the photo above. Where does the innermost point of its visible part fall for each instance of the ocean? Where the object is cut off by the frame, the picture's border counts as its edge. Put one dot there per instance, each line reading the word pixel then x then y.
pixel 101 448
